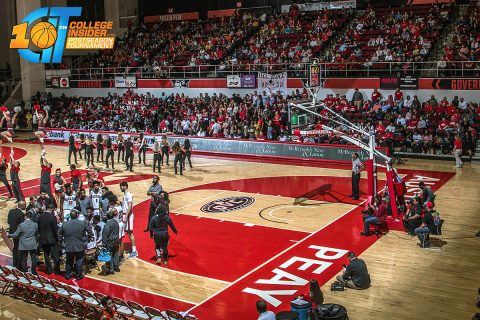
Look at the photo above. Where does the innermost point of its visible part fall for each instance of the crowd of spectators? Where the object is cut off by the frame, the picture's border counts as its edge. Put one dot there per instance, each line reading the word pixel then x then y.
pixel 151 48
pixel 391 35
pixel 291 37
pixel 398 121
pixel 465 43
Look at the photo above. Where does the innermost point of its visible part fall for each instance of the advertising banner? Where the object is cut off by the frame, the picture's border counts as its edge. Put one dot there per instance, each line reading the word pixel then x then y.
pixel 248 81
pixel 272 83
pixel 233 81
pixel 125 82
pixel 236 147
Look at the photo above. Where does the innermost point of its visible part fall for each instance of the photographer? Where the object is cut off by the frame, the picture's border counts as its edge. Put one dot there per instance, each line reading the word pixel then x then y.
pixel 373 214
pixel 355 275
pixel 413 217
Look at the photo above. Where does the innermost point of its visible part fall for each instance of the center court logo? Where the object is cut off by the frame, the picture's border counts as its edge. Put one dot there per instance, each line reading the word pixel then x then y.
pixel 49 30
pixel 227 204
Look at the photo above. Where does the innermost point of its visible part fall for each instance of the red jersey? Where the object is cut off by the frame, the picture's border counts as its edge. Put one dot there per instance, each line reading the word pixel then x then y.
pixel 380 129
pixel 376 96
pixel 47 169
pixel 457 143
pixel 398 95
pixel 443 124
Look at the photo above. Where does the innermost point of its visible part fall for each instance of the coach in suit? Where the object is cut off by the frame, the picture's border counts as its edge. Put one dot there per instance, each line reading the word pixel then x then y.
pixel 111 240
pixel 27 233
pixel 75 234
pixel 15 217
pixel 48 230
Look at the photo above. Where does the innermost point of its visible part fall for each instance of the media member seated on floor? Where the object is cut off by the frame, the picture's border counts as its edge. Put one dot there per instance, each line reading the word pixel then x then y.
pixel 413 217
pixel 373 214
pixel 263 313
pixel 428 226
pixel 355 274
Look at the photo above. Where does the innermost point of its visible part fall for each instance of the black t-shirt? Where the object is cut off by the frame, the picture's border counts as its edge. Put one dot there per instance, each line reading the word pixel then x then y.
pixel 428 220
pixel 3 169
pixel 71 141
pixel 128 146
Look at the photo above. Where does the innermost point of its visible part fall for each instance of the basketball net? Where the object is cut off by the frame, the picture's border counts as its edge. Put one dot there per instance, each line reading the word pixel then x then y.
pixel 374 155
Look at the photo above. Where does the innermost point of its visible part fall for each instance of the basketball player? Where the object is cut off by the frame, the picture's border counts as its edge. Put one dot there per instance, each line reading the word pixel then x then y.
pixel 157 156
pixel 129 154
pixel 3 175
pixel 127 205
pixel 58 183
pixel 96 196
pixel 14 169
pixel 110 153
pixel 116 211
pixel 178 153
pixel 45 182
pixel 89 152
pixel 8 135
pixel 121 147
pixel 42 123
pixel 72 149
pixel 68 201
pixel 142 149
pixel 165 148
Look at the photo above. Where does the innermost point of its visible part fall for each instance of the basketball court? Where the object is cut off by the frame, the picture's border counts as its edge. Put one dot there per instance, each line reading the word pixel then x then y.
pixel 250 230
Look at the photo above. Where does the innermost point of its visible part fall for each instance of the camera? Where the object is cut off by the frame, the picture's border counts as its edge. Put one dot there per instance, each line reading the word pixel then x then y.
pixel 337 286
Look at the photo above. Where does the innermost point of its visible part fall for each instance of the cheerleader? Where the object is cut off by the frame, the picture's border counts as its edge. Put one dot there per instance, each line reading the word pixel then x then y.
pixel 110 152
pixel 178 153
pixel 100 143
pixel 58 183
pixel 8 135
pixel 157 156
pixel 165 146
pixel 82 147
pixel 42 123
pixel 89 146
pixel 142 149
pixel 187 147
pixel 121 147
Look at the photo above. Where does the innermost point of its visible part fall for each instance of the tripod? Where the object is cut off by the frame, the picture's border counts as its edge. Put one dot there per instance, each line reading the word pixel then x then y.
pixel 398 159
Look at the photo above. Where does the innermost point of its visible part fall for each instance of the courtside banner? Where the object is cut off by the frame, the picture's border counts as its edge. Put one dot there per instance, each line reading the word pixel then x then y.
pixel 235 147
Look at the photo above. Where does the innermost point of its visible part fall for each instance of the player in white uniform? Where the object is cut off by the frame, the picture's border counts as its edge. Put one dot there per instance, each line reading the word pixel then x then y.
pixel 68 201
pixel 96 196
pixel 127 205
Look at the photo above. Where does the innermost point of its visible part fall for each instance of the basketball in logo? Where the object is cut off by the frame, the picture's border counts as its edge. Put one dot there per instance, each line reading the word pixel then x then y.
pixel 43 35
pixel 227 204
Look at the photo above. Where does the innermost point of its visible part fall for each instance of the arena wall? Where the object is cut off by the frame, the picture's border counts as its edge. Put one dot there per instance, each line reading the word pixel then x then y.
pixel 467 88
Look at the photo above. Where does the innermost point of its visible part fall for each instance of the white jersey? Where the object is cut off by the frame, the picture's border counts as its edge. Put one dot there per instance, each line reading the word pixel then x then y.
pixel 96 199
pixel 127 197
pixel 69 201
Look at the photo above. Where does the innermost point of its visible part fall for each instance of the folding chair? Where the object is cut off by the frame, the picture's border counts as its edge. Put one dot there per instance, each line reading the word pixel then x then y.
pixel 37 289
pixel 122 307
pixel 8 278
pixel 93 307
pixel 139 311
pixel 438 233
pixel 62 302
pixel 76 300
pixel 156 314
pixel 23 285
pixel 174 315
pixel 377 227
pixel 50 297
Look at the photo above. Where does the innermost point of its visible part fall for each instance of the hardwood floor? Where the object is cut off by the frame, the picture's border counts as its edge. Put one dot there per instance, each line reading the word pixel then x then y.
pixel 408 282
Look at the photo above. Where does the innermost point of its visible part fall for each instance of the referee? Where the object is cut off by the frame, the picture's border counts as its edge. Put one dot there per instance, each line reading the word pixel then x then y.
pixel 357 167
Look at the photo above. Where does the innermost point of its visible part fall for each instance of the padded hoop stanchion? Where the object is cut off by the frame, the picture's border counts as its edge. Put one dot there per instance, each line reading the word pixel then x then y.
pixel 391 191
pixel 371 177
